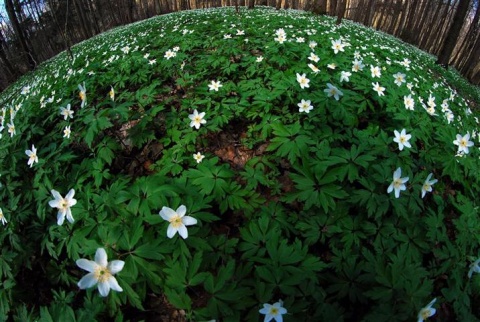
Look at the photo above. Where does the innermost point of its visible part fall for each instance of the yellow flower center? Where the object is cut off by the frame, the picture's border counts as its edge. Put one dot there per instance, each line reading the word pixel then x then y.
pixel 426 313
pixel 63 204
pixel 102 274
pixel 198 119
pixel 463 143
pixel 82 95
pixel 176 221
pixel 397 183
pixel 333 91
pixel 273 311
pixel 426 187
pixel 402 139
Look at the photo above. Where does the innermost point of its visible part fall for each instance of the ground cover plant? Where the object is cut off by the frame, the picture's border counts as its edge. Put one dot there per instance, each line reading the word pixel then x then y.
pixel 262 165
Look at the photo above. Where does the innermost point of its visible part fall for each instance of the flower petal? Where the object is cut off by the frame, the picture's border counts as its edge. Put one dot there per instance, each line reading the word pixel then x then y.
pixel 167 213
pixel 56 194
pixel 104 288
pixel 112 282
pixel 69 216
pixel 87 281
pixel 101 257
pixel 115 266
pixel 72 202
pixel 390 188
pixel 86 264
pixel 188 221
pixel 181 211
pixel 171 231
pixel 54 203
pixel 60 218
pixel 70 194
pixel 182 231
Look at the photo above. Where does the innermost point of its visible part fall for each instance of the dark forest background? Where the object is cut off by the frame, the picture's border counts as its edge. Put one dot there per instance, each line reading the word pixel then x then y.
pixel 32 31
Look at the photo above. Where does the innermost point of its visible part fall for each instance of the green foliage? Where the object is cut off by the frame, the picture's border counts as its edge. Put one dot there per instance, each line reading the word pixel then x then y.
pixel 288 205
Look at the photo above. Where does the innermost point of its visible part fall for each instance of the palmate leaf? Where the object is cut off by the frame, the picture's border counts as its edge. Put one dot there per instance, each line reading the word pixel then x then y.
pixel 211 178
pixel 288 142
pixel 315 189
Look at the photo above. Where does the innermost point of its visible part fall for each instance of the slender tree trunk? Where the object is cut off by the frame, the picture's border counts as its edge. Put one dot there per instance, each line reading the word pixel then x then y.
pixel 332 8
pixel 430 31
pixel 441 34
pixel 278 4
pixel 251 4
pixel 469 38
pixel 409 21
pixel 341 8
pixel 3 57
pixel 370 11
pixel 472 61
pixel 81 19
pixel 319 7
pixel 359 11
pixel 453 32
pixel 30 54
pixel 422 27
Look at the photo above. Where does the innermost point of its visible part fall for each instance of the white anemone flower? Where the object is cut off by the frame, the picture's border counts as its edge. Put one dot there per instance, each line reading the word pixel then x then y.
pixel 66 112
pixel 32 156
pixel 67 131
pixel 273 312
pixel 214 86
pixel 337 46
pixel 303 80
pixel 63 205
pixel 398 183
pixel 178 221
pixel 198 157
pixel 427 185
pixel 197 119
pixel 100 272
pixel 402 139
pixel 111 93
pixel 474 268
pixel 427 311
pixel 333 91
pixel 305 106
pixel 82 94
pixel 463 143
pixel 2 217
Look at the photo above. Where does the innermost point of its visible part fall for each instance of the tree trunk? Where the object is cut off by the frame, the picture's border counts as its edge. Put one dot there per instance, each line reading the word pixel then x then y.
pixel 251 4
pixel 332 8
pixel 81 19
pixel 370 11
pixel 472 62
pixel 430 31
pixel 3 58
pixel 453 32
pixel 442 30
pixel 341 8
pixel 468 40
pixel 278 4
pixel 319 7
pixel 31 57
pixel 409 21
pixel 422 27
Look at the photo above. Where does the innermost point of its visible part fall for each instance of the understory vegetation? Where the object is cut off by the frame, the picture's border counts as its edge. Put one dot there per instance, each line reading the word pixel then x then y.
pixel 221 161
